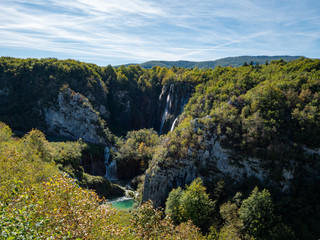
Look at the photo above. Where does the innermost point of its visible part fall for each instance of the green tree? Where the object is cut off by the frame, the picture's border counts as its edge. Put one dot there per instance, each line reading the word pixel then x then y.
pixel 173 205
pixel 257 214
pixel 191 204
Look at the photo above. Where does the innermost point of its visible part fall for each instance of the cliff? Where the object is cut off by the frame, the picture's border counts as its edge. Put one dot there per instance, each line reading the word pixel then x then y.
pixel 73 116
pixel 212 162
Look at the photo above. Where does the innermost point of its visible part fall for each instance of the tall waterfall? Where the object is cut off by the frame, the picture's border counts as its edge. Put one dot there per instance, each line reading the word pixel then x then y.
pixel 173 124
pixel 167 108
pixel 111 169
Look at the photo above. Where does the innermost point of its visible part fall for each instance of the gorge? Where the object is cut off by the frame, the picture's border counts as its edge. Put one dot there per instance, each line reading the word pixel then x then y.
pixel 161 128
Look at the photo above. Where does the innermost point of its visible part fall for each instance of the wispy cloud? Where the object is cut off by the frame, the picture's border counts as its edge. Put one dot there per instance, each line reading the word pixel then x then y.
pixel 121 31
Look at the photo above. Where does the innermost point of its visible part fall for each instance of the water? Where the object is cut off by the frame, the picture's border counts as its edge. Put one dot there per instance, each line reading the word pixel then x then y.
pixel 106 155
pixel 112 172
pixel 122 203
pixel 125 202
pixel 173 124
pixel 111 169
pixel 166 110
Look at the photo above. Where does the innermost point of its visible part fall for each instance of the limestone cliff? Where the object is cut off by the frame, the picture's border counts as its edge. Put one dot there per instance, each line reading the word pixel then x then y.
pixel 212 162
pixel 73 116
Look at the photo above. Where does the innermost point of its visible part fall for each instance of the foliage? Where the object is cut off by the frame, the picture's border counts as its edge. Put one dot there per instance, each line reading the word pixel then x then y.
pixel 233 225
pixel 33 82
pixel 151 224
pixel 136 152
pixel 37 201
pixel 36 141
pixel 5 133
pixel 253 106
pixel 270 111
pixel 173 206
pixel 193 204
pixel 265 106
pixel 257 214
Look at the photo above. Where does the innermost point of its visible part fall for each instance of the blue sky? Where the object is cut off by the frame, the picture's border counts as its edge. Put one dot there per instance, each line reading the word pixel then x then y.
pixel 134 31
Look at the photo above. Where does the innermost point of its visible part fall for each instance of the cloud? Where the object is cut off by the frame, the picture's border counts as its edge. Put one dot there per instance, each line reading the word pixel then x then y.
pixel 120 31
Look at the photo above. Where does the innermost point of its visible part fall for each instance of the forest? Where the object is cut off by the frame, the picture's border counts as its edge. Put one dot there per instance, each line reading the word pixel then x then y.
pixel 223 62
pixel 213 153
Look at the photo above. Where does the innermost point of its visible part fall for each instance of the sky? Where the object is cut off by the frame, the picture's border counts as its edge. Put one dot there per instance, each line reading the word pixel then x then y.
pixel 134 31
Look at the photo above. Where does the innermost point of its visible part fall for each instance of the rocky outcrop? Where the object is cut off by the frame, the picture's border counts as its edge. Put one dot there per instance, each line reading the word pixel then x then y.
pixel 73 116
pixel 159 181
pixel 212 162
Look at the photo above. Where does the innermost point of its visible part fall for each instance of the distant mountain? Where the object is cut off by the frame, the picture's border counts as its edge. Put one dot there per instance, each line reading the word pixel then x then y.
pixel 229 61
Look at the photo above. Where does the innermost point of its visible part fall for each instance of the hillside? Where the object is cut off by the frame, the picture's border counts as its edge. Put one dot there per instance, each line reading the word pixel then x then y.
pixel 223 62
pixel 208 145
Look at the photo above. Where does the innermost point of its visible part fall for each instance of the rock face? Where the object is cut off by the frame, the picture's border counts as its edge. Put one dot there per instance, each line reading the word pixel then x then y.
pixel 160 181
pixel 73 116
pixel 129 111
pixel 122 112
pixel 172 100
pixel 212 162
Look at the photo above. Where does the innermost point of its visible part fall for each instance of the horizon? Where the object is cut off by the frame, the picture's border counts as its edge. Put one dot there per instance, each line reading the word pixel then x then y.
pixel 138 31
pixel 154 60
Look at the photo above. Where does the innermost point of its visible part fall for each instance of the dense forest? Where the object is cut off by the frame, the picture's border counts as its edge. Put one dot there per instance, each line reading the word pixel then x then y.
pixel 227 152
pixel 223 62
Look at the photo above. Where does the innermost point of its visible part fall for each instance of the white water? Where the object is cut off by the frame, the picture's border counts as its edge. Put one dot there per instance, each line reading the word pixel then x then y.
pixel 112 172
pixel 111 169
pixel 166 110
pixel 119 199
pixel 173 124
pixel 126 201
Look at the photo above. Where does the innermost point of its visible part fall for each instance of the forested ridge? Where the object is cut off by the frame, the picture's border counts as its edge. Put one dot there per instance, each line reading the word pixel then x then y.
pixel 223 62
pixel 269 112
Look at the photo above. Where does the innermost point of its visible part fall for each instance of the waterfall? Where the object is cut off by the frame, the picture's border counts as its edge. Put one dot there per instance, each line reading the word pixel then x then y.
pixel 167 108
pixel 173 124
pixel 112 173
pixel 111 169
pixel 106 156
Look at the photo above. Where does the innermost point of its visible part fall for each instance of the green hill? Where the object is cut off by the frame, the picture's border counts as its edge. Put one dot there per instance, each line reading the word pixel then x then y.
pixel 223 62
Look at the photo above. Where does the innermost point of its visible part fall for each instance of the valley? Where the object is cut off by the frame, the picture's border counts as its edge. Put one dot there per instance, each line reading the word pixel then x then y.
pixel 225 135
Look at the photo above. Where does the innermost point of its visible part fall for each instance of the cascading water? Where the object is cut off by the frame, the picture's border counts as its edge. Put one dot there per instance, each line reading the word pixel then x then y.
pixel 166 110
pixel 106 156
pixel 112 172
pixel 125 202
pixel 111 169
pixel 183 102
pixel 173 124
